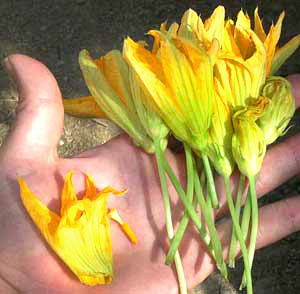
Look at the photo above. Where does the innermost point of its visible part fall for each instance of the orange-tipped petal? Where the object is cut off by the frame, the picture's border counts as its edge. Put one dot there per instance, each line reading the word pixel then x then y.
pixel 85 106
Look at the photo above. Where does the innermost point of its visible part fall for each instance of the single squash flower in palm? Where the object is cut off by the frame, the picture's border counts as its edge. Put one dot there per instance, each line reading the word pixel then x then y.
pixel 280 110
pixel 80 234
pixel 179 82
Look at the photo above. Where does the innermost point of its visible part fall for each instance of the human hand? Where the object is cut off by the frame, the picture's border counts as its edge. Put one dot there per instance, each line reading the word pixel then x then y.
pixel 28 265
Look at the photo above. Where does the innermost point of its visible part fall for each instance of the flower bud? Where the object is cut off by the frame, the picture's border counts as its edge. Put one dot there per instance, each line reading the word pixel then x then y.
pixel 280 110
pixel 248 144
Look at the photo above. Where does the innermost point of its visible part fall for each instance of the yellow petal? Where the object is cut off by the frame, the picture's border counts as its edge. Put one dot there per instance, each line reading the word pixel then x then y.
pixel 235 78
pixel 219 148
pixel 191 84
pixel 188 25
pixel 258 27
pixel 229 44
pixel 46 220
pixel 243 20
pixel 113 214
pixel 271 41
pixel 149 70
pixel 116 72
pixel 84 243
pixel 200 89
pixel 214 25
pixel 243 39
pixel 68 196
pixel 278 27
pixel 85 106
pixel 257 64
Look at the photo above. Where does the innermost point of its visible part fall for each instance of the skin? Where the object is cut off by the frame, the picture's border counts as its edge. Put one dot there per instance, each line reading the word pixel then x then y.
pixel 28 265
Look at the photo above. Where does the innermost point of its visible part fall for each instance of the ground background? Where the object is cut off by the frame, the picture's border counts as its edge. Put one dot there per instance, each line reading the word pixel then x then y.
pixel 54 31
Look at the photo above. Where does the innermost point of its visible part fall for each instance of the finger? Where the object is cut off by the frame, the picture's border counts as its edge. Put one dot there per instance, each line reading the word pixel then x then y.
pixel 39 120
pixel 276 221
pixel 281 163
pixel 295 82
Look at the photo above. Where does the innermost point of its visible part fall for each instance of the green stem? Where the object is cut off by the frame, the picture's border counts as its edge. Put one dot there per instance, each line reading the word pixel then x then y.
pixel 211 227
pixel 187 205
pixel 254 222
pixel 239 235
pixel 238 204
pixel 168 217
pixel 210 180
pixel 246 216
pixel 189 194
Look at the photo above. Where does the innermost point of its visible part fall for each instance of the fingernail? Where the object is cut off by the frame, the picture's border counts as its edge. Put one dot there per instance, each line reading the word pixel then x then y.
pixel 6 65
pixel 10 69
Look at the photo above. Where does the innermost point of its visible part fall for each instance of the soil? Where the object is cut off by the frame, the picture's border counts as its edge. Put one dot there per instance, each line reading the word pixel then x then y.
pixel 54 31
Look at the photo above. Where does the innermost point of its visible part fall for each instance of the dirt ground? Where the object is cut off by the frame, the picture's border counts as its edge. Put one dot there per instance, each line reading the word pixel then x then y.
pixel 54 31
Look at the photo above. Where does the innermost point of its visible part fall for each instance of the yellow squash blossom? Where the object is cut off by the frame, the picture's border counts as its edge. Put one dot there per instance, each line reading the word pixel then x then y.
pixel 80 235
pixel 179 82
pixel 108 81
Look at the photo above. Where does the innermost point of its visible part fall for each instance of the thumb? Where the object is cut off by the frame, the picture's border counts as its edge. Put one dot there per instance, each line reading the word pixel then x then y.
pixel 39 120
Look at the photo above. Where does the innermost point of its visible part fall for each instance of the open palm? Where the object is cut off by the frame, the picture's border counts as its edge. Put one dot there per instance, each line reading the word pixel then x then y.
pixel 28 265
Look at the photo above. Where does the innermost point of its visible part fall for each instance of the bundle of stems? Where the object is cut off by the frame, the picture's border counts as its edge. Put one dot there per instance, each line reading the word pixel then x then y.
pixel 194 196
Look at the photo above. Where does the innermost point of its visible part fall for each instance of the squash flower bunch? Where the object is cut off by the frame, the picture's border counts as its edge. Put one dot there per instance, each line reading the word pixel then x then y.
pixel 211 84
